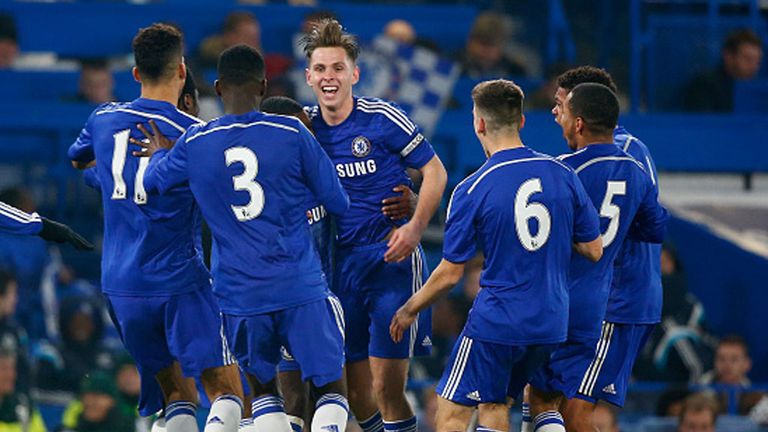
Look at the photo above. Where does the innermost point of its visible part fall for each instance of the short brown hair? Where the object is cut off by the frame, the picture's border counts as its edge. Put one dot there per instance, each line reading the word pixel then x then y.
pixel 700 402
pixel 156 50
pixel 500 101
pixel 740 37
pixel 329 33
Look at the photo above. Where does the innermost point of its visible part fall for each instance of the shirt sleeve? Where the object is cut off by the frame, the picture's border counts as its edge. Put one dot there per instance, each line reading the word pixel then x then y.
pixel 459 242
pixel 650 222
pixel 91 178
pixel 167 169
pixel 82 149
pixel 404 137
pixel 15 221
pixel 320 175
pixel 586 222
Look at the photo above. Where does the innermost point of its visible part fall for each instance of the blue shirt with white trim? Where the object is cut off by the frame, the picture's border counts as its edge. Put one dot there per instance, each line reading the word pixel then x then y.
pixel 624 196
pixel 523 210
pixel 636 293
pixel 149 240
pixel 15 221
pixel 253 176
pixel 370 151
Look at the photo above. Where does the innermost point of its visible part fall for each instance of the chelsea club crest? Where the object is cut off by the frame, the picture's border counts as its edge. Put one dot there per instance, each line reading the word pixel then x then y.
pixel 361 146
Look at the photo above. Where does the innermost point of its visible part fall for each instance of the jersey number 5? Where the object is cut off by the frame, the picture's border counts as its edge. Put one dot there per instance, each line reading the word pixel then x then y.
pixel 610 210
pixel 245 182
pixel 119 153
pixel 525 210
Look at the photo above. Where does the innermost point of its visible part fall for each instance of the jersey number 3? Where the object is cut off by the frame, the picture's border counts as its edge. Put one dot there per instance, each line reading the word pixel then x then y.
pixel 246 182
pixel 525 210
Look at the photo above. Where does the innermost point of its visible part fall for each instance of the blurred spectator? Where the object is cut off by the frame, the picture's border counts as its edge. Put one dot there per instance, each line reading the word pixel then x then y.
pixel 484 55
pixel 679 349
pixel 741 56
pixel 97 410
pixel 243 28
pixel 699 414
pixel 96 85
pixel 29 260
pixel 12 337
pixel 400 31
pixel 732 363
pixel 9 41
pixel 670 403
pixel 604 418
pixel 81 350
pixel 729 377
pixel 16 410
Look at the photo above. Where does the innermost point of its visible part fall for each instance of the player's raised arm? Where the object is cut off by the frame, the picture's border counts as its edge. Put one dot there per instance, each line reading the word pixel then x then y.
pixel 318 170
pixel 168 161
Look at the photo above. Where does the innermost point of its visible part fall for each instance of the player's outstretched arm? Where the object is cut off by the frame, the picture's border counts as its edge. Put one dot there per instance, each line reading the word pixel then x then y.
pixel 400 206
pixel 155 141
pixel 60 233
pixel 407 237
pixel 445 276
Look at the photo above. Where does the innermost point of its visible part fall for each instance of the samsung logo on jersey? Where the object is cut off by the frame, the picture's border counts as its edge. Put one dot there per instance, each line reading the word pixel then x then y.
pixel 354 169
pixel 316 214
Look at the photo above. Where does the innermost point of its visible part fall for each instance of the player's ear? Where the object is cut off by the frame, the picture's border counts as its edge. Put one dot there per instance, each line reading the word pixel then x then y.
pixel 217 87
pixel 355 75
pixel 306 76
pixel 182 71
pixel 579 125
pixel 481 127
pixel 135 73
pixel 522 122
pixel 263 84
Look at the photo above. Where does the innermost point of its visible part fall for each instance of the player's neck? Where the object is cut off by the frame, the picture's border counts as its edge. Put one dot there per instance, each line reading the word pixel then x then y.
pixel 239 106
pixel 495 144
pixel 333 117
pixel 594 139
pixel 160 92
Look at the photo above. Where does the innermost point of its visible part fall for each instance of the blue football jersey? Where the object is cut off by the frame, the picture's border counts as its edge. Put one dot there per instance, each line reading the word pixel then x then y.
pixel 636 293
pixel 623 194
pixel 523 210
pixel 15 221
pixel 149 241
pixel 370 151
pixel 253 176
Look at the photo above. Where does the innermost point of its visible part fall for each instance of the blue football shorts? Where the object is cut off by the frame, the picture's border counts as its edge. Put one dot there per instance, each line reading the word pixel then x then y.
pixel 371 291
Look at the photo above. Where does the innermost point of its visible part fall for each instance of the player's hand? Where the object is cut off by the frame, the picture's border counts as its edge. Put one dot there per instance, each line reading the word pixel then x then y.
pixel 400 322
pixel 402 243
pixel 400 206
pixel 155 141
pixel 60 233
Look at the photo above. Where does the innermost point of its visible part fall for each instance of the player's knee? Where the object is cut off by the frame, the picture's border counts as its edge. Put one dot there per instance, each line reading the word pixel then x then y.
pixel 451 417
pixel 494 416
pixel 387 390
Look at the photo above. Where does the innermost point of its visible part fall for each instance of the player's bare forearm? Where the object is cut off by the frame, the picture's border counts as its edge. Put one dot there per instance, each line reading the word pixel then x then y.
pixel 432 187
pixel 592 250
pixel 445 276
pixel 83 165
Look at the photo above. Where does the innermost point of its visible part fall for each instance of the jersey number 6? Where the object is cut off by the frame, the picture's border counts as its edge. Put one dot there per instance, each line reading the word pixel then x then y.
pixel 246 182
pixel 525 210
